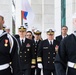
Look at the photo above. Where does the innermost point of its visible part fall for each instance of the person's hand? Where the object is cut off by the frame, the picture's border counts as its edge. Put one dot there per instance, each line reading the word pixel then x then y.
pixel 40 65
pixel 32 66
pixel 56 48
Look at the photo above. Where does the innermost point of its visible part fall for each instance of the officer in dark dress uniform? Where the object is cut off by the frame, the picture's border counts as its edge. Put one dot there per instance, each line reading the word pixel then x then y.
pixel 64 34
pixel 26 53
pixel 47 52
pixel 65 62
pixel 36 41
pixel 8 52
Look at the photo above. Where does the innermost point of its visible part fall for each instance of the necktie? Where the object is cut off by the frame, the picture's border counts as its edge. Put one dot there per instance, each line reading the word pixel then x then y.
pixel 22 42
pixel 50 42
pixel 36 42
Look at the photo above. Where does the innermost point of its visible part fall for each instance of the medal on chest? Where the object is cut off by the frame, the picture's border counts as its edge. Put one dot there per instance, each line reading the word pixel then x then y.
pixel 6 43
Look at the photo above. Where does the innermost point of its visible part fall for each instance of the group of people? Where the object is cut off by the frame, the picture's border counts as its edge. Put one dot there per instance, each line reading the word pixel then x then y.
pixel 27 53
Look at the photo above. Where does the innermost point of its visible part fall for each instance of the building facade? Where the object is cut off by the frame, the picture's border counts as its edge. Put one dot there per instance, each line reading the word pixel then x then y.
pixel 48 14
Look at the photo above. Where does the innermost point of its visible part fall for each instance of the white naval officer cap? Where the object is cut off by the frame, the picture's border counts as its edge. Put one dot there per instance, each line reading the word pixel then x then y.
pixel 50 31
pixel 4 26
pixel 37 32
pixel 22 28
pixel 7 27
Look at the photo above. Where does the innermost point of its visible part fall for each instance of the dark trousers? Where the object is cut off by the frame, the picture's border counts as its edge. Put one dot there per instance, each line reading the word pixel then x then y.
pixel 71 71
pixel 38 71
pixel 6 71
pixel 26 72
pixel 48 72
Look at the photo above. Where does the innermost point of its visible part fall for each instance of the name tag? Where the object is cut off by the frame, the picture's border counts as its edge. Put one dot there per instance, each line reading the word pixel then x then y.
pixel 45 47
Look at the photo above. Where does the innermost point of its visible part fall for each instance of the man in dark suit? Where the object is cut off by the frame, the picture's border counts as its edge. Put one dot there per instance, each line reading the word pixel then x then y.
pixel 36 40
pixel 26 52
pixel 64 30
pixel 65 62
pixel 47 52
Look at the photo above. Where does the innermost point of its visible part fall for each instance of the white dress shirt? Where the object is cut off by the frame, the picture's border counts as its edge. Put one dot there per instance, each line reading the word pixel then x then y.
pixel 22 39
pixel 50 42
pixel 64 36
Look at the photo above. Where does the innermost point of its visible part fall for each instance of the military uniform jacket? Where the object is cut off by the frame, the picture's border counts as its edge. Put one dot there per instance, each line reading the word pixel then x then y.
pixel 36 45
pixel 8 54
pixel 47 53
pixel 26 54
pixel 67 52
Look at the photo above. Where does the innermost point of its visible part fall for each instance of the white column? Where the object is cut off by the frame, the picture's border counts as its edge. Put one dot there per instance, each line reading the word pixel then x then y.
pixel 6 10
pixel 37 9
pixel 18 14
pixel 73 10
pixel 43 31
pixel 69 15
pixel 74 6
pixel 57 17
pixel 29 1
pixel 48 15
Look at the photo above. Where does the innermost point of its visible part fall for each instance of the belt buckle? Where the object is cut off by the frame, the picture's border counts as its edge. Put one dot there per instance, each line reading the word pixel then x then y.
pixel 74 66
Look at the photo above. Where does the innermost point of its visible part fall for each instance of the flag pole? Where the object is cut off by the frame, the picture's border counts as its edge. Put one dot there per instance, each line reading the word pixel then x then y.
pixel 21 18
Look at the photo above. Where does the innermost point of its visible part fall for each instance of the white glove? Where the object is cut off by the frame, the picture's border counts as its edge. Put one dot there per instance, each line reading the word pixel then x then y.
pixel 32 66
pixel 40 65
